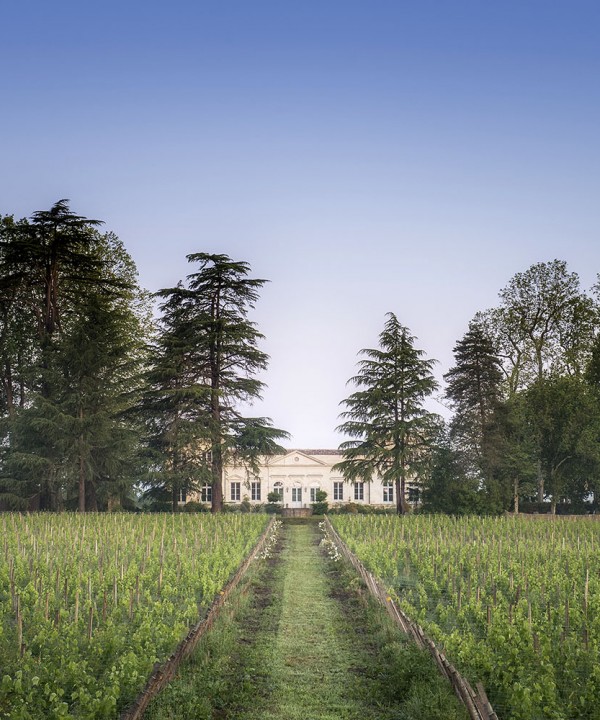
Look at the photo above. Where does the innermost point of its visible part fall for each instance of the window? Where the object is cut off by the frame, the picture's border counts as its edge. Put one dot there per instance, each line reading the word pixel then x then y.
pixel 414 494
pixel 255 490
pixel 388 491
pixel 359 491
pixel 181 497
pixel 235 491
pixel 206 493
pixel 338 490
pixel 313 493
pixel 278 488
pixel 296 494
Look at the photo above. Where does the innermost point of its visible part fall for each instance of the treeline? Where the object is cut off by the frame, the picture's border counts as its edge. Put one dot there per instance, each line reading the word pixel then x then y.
pixel 525 395
pixel 101 404
pixel 106 403
pixel 525 390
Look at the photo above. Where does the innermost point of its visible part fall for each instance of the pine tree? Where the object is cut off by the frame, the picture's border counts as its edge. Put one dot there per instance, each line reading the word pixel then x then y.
pixel 215 358
pixel 175 402
pixel 101 361
pixel 474 388
pixel 392 432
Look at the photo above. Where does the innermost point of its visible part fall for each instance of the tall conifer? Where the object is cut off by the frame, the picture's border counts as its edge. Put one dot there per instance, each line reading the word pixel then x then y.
pixel 391 431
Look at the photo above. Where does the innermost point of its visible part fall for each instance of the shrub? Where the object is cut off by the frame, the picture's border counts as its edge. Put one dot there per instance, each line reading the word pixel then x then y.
pixel 273 508
pixel 321 506
pixel 193 506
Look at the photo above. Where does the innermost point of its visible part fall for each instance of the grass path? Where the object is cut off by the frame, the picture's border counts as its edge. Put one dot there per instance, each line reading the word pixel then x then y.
pixel 299 643
pixel 312 656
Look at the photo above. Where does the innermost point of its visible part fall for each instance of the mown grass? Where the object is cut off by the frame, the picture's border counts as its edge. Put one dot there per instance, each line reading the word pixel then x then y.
pixel 301 640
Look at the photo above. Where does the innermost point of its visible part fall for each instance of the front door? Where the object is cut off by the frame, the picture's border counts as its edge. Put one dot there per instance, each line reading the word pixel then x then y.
pixel 296 497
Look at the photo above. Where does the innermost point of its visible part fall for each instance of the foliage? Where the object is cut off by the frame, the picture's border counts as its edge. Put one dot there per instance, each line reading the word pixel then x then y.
pixel 207 360
pixel 174 405
pixel 321 505
pixel 544 324
pixel 194 507
pixel 391 431
pixel 474 391
pixel 71 345
pixel 351 646
pixel 513 601
pixel 565 416
pixel 352 508
pixel 449 488
pixel 91 602
pixel 542 335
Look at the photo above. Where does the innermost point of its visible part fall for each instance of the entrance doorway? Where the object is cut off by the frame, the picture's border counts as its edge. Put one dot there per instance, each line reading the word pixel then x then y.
pixel 296 496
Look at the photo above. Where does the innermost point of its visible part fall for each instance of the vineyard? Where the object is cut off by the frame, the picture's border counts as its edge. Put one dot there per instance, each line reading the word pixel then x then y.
pixel 514 603
pixel 90 602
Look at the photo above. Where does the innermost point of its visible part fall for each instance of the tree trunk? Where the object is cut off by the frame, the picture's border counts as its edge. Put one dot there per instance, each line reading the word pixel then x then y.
pixel 47 494
pixel 91 499
pixel 540 482
pixel 81 505
pixel 401 504
pixel 216 433
pixel 217 478
pixel 516 496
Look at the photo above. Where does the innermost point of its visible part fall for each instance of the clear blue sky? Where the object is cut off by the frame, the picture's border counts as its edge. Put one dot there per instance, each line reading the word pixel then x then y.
pixel 365 157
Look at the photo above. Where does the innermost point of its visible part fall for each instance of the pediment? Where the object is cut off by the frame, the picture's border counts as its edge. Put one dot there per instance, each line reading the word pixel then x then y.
pixel 295 458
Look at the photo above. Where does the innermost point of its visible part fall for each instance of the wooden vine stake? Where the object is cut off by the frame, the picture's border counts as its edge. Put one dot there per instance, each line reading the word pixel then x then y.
pixel 19 627
pixel 90 622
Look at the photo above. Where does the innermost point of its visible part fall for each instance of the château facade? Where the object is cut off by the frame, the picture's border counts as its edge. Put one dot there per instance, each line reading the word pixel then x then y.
pixel 297 476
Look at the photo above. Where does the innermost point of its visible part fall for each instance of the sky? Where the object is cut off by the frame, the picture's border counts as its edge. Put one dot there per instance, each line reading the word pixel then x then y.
pixel 364 157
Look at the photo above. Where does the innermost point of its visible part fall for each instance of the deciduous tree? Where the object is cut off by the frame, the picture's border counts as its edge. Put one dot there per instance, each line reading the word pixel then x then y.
pixel 544 327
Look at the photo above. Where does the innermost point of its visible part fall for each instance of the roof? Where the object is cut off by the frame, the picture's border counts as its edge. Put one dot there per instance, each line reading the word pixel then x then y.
pixel 315 452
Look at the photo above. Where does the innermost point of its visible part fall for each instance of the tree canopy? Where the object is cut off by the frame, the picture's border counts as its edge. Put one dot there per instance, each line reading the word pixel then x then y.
pixel 71 341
